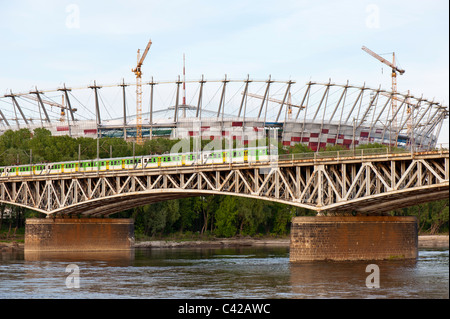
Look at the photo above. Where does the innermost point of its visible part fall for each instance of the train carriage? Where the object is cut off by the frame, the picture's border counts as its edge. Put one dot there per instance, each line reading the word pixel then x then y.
pixel 211 157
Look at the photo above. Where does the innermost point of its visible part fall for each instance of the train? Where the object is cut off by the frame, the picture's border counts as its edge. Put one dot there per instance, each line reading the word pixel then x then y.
pixel 241 155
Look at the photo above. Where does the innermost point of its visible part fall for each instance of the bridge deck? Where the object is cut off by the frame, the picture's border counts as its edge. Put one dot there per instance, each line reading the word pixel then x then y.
pixel 361 184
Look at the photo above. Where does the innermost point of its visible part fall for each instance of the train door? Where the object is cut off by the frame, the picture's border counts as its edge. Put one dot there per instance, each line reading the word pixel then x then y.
pixel 245 156
pixel 159 161
pixel 183 160
pixel 107 165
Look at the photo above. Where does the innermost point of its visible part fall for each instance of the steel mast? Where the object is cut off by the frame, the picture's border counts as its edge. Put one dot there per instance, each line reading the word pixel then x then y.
pixel 138 72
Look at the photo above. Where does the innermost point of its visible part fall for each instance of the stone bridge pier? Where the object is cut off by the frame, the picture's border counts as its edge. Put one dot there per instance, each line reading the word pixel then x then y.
pixel 343 237
pixel 78 234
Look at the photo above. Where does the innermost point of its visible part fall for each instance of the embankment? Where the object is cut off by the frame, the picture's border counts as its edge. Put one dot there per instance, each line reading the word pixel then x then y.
pixel 425 241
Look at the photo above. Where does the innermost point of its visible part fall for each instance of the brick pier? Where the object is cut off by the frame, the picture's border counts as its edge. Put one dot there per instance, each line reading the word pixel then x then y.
pixel 353 238
pixel 78 234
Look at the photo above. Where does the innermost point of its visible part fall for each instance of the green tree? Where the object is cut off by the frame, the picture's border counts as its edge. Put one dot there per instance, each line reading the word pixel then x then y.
pixel 226 217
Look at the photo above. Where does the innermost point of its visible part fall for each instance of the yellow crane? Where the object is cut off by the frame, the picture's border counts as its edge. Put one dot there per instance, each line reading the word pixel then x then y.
pixel 138 72
pixel 395 69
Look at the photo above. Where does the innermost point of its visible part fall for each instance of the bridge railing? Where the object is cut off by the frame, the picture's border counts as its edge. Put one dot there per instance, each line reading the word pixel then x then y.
pixel 352 153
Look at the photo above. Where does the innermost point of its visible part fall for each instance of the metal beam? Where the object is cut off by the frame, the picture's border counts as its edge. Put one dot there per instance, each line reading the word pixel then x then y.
pixel 354 104
pixel 303 100
pixel 284 99
pixel 339 102
pixel 175 115
pixel 41 104
pixel 97 106
pixel 65 90
pixel 198 114
pixel 4 118
pixel 244 95
pixel 264 98
pixel 222 99
pixel 152 84
pixel 13 97
pixel 123 85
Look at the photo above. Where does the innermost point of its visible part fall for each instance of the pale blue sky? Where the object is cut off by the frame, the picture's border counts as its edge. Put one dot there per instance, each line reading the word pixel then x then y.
pixel 48 42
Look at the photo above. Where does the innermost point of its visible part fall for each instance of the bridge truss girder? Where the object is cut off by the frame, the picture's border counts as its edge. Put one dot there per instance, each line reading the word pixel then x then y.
pixel 368 185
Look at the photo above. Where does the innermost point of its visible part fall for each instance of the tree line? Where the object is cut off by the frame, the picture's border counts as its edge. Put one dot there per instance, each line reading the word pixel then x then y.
pixel 222 216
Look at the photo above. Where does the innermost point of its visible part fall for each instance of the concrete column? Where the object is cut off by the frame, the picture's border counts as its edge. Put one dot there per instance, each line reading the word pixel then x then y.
pixel 353 238
pixel 78 234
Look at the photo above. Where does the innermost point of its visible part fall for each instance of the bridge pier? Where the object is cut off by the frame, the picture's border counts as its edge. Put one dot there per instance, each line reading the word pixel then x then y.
pixel 78 234
pixel 342 238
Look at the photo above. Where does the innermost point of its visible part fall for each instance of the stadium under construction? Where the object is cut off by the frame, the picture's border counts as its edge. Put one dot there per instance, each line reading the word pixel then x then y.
pixel 316 114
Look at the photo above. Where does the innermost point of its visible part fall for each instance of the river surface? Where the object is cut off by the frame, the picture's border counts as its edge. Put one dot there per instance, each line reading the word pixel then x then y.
pixel 217 273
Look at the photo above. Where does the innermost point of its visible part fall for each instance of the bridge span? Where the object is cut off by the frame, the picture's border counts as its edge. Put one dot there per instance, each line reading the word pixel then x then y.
pixel 350 194
pixel 335 183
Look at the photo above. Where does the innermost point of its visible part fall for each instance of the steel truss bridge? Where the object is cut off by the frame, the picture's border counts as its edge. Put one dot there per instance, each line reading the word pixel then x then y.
pixel 342 182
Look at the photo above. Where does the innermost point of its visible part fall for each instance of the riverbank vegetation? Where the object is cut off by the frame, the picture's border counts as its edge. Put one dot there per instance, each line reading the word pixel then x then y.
pixel 206 216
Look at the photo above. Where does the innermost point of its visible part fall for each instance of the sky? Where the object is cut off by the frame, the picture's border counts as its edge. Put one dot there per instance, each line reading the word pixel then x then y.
pixel 46 43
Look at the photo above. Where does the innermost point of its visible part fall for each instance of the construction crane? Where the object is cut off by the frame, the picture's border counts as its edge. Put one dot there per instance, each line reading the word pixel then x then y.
pixel 395 69
pixel 138 72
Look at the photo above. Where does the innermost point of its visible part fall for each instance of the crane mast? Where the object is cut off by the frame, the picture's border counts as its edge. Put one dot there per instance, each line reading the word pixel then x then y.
pixel 395 69
pixel 137 71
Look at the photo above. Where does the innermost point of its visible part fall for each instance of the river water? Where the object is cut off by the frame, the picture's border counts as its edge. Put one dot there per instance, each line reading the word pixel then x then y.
pixel 216 273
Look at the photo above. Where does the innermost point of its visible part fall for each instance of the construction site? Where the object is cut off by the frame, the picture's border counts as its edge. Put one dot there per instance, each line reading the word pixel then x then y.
pixel 317 114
